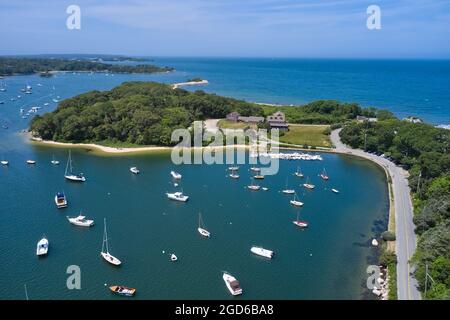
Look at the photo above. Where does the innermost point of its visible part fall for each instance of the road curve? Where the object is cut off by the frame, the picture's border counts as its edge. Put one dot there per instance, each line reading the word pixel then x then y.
pixel 405 236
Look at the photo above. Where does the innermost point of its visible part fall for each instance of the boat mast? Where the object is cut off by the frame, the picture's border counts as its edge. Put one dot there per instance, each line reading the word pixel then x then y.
pixel 105 237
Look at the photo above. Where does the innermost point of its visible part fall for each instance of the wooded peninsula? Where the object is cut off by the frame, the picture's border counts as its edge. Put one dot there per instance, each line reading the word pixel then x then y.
pixel 21 66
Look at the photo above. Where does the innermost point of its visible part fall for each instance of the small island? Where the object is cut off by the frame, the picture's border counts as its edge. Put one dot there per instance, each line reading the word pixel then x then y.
pixel 47 66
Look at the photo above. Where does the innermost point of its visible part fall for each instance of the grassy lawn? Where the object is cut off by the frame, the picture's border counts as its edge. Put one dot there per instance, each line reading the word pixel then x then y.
pixel 311 135
pixel 226 124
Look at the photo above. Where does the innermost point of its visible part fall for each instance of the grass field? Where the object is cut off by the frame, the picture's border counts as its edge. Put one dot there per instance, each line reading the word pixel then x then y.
pixel 303 134
pixel 226 124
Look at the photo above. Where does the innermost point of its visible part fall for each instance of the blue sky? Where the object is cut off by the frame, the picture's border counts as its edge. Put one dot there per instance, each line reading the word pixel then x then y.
pixel 268 28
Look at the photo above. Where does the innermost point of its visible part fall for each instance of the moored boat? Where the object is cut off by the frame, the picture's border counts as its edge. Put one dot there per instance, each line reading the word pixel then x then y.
pixel 173 257
pixel 308 185
pixel 254 169
pixel 324 175
pixel 287 190
pixel 260 177
pixel 335 190
pixel 200 228
pixel 60 200
pixel 232 284
pixel 233 168
pixel 177 196
pixel 105 249
pixel 298 173
pixel 253 187
pixel 42 247
pixel 31 161
pixel 175 175
pixel 134 170
pixel 260 251
pixel 301 224
pixel 81 221
pixel 295 202
pixel 123 291
pixel 69 175
pixel 4 162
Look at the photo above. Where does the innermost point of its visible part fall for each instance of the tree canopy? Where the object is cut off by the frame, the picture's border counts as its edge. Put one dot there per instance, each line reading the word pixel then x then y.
pixel 11 66
pixel 143 113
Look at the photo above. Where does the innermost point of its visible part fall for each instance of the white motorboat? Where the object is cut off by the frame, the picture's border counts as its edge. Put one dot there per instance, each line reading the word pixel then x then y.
pixel 295 202
pixel 259 177
pixel 265 188
pixel 234 176
pixel 177 196
pixel 105 250
pixel 60 200
pixel 4 162
pixel 374 242
pixel 254 169
pixel 335 190
pixel 232 284
pixel 134 170
pixel 233 168
pixel 173 257
pixel 175 175
pixel 200 228
pixel 31 161
pixel 42 247
pixel 69 175
pixel 81 221
pixel 262 252
pixel 55 100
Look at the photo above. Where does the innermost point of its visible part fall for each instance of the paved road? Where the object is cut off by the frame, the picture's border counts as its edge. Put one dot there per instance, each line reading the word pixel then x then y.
pixel 406 238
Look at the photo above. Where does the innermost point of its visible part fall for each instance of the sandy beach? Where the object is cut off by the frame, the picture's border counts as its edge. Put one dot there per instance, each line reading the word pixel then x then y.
pixel 190 83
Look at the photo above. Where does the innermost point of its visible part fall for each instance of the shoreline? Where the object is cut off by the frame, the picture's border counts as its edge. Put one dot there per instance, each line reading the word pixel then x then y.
pixel 189 83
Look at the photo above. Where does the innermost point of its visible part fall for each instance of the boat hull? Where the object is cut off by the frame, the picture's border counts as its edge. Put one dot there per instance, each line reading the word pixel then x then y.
pixel 75 178
pixel 110 259
pixel 123 291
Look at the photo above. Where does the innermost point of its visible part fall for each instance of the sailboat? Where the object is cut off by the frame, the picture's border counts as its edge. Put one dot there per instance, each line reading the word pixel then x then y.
pixel 307 185
pixel 253 187
pixel 298 173
pixel 2 88
pixel 295 202
pixel 201 230
pixel 105 254
pixel 324 175
pixel 69 174
pixel 301 224
pixel 288 191
pixel 234 174
pixel 55 162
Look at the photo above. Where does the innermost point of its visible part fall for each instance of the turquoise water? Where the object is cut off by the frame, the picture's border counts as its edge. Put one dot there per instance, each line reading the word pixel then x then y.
pixel 328 260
